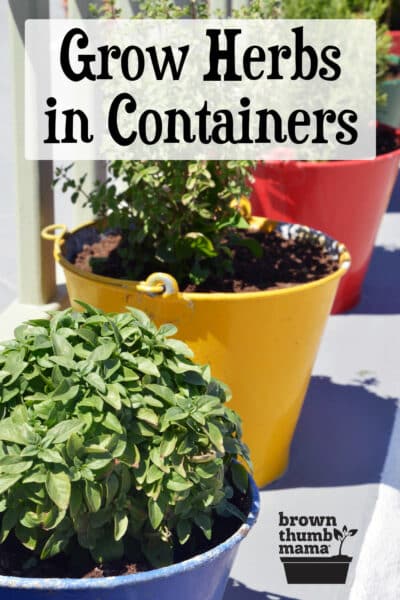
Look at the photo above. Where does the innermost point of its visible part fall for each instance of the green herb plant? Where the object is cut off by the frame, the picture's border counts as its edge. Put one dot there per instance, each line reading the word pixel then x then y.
pixel 175 216
pixel 112 441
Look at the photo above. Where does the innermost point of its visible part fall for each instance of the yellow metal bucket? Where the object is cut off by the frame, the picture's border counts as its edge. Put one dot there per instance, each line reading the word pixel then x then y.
pixel 262 344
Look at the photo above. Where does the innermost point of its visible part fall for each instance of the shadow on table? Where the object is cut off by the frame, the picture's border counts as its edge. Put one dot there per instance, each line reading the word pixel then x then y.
pixel 342 437
pixel 237 591
pixel 381 290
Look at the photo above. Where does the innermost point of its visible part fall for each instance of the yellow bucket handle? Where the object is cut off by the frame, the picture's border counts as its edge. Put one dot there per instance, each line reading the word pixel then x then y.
pixel 48 233
pixel 158 284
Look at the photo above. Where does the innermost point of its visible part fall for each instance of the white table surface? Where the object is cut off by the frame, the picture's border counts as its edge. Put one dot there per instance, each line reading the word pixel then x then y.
pixel 345 459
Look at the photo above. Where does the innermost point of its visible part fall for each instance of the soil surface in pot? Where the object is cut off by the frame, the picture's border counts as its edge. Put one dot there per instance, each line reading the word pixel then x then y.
pixel 387 139
pixel 17 561
pixel 283 263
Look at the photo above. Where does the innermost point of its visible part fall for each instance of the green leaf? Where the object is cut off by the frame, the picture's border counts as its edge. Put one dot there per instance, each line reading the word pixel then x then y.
pixel 180 348
pixel 240 477
pixel 178 483
pixel 15 366
pixel 112 396
pixel 28 537
pixel 62 431
pixel 8 522
pixel 140 316
pixel 22 434
pixel 148 415
pixel 207 470
pixel 112 485
pixel 58 540
pixel 167 330
pixel 203 521
pixel 89 309
pixel 163 392
pixel 168 443
pixel 111 422
pixel 76 501
pixel 175 414
pixel 63 361
pixel 145 365
pixel 121 523
pixel 111 366
pixel 30 520
pixel 103 352
pixel 65 391
pixel 8 394
pixel 96 381
pixel 94 402
pixel 88 335
pixel 99 462
pixel 13 465
pixel 52 518
pixel 231 509
pixel 183 530
pixel 156 514
pixel 61 346
pixel 154 474
pixel 92 495
pixel 215 436
pixel 58 486
pixel 36 476
pixel 74 446
pixel 50 456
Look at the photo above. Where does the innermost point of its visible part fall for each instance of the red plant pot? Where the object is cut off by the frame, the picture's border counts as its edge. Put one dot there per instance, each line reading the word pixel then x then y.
pixel 345 199
pixel 395 49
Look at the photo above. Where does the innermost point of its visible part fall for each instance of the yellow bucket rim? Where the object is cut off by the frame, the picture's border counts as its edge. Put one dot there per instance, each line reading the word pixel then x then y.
pixel 257 223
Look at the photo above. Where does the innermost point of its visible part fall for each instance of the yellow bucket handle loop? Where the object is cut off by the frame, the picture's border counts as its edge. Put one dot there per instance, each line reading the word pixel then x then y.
pixel 48 233
pixel 158 284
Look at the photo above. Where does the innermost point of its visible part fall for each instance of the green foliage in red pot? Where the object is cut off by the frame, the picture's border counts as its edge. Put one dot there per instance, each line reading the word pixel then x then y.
pixel 335 9
pixel 112 440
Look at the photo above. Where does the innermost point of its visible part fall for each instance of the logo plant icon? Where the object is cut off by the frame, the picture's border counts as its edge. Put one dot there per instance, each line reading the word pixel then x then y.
pixel 343 535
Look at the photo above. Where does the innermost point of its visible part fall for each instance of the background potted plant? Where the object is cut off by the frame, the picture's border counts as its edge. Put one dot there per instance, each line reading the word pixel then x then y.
pixel 328 195
pixel 393 22
pixel 117 457
pixel 251 297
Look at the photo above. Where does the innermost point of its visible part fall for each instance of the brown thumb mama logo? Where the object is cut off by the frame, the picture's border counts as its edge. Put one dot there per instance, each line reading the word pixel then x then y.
pixel 306 546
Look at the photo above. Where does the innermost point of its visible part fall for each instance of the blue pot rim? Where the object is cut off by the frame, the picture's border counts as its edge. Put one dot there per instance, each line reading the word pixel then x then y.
pixel 54 584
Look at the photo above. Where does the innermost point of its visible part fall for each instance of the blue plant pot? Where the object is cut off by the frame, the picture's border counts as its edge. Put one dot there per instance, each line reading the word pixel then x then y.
pixel 203 577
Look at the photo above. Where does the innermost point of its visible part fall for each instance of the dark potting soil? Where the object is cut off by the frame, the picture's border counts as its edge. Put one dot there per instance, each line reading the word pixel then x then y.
pixel 387 140
pixel 394 70
pixel 17 561
pixel 283 263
